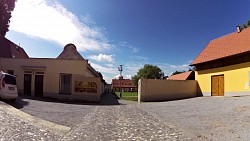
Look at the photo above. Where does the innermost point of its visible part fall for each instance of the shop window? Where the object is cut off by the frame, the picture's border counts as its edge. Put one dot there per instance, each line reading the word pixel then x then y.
pixel 65 83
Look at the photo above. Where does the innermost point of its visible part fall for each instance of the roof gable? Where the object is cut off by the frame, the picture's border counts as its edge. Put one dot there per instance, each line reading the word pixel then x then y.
pixel 70 53
pixel 10 50
pixel 181 76
pixel 225 46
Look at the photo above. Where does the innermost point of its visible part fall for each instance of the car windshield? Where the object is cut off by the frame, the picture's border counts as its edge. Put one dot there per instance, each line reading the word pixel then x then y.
pixel 10 80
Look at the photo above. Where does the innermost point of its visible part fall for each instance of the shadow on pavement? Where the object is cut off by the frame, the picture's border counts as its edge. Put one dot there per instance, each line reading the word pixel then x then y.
pixel 109 99
pixel 106 99
pixel 19 103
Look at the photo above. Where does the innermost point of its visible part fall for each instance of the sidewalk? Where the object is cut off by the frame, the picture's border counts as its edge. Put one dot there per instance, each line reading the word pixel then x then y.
pixel 17 125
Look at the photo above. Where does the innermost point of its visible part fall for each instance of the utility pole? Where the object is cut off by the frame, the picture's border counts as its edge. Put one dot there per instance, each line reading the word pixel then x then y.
pixel 120 78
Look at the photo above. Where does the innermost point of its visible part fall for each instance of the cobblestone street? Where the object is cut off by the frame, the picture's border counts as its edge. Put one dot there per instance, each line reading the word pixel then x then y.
pixel 124 122
pixel 103 122
pixel 14 128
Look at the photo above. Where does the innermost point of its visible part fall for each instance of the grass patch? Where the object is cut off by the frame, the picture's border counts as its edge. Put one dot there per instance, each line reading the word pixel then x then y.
pixel 131 96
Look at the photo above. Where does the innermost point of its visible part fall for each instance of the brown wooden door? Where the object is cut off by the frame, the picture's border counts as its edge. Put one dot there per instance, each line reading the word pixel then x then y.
pixel 217 85
pixel 39 85
pixel 27 84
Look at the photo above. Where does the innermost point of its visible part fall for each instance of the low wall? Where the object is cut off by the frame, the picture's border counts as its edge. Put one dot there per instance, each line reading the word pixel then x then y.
pixel 162 90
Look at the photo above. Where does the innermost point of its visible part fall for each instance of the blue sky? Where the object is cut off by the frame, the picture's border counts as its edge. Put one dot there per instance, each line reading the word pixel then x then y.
pixel 166 33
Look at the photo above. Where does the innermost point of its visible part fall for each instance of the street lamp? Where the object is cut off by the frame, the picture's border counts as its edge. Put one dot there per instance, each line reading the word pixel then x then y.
pixel 120 77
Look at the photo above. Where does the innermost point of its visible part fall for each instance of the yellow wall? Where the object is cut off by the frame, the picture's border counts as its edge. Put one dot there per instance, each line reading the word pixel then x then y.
pixel 236 79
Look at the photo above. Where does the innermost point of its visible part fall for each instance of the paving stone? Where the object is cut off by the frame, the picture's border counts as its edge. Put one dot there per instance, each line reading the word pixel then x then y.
pixel 13 128
pixel 123 122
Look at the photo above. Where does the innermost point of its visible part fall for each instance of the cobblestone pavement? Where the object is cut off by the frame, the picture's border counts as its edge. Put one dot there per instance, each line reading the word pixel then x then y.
pixel 99 122
pixel 123 122
pixel 13 128
pixel 60 113
pixel 208 118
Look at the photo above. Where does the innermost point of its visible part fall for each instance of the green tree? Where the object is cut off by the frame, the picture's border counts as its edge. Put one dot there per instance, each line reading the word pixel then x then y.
pixel 178 72
pixel 6 7
pixel 148 72
pixel 246 25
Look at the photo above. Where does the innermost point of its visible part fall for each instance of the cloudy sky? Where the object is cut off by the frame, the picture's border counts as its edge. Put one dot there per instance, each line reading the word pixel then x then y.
pixel 109 33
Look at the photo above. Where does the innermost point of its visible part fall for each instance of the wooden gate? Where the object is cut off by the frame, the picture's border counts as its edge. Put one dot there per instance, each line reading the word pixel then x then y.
pixel 217 85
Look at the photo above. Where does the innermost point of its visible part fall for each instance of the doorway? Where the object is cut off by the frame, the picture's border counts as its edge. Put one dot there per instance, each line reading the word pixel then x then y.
pixel 39 85
pixel 217 85
pixel 27 84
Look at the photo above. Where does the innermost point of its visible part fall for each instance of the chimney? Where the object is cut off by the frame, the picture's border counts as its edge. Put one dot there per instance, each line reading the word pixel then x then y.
pixel 238 28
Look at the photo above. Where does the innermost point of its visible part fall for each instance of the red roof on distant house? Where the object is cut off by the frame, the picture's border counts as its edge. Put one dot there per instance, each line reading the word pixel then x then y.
pixel 9 49
pixel 125 83
pixel 225 46
pixel 181 76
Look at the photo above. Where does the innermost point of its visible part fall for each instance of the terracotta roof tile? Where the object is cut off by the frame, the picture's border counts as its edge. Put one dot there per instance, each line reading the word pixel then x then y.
pixel 9 49
pixel 225 46
pixel 181 76
pixel 70 53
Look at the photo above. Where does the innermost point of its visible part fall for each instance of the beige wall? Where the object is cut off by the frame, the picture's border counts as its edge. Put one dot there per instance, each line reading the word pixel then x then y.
pixel 161 90
pixel 52 69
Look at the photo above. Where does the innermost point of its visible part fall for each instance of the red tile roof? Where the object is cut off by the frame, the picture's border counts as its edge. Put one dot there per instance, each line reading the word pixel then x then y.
pixel 181 76
pixel 225 46
pixel 10 50
pixel 125 83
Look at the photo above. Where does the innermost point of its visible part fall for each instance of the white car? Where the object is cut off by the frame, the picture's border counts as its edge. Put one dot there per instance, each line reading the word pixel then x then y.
pixel 8 87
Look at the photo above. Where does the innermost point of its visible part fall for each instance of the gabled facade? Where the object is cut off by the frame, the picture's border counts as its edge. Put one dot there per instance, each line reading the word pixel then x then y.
pixel 69 76
pixel 223 67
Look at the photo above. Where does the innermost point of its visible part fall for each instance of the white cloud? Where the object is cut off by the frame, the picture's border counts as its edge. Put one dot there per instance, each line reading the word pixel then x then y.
pixel 110 65
pixel 140 58
pixel 128 77
pixel 104 69
pixel 102 58
pixel 132 69
pixel 130 47
pixel 179 67
pixel 107 79
pixel 51 21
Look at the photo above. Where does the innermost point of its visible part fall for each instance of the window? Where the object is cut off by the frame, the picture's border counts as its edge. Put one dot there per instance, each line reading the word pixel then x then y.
pixel 10 80
pixel 65 83
pixel 10 72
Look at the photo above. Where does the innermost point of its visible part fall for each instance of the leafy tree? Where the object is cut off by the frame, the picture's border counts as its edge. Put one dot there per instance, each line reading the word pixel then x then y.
pixel 178 72
pixel 148 72
pixel 6 7
pixel 246 25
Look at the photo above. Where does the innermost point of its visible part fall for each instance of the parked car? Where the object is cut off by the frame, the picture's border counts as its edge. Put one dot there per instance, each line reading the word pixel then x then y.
pixel 8 87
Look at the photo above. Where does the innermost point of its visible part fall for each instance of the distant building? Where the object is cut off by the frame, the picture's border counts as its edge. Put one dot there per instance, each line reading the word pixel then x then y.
pixel 69 76
pixel 126 85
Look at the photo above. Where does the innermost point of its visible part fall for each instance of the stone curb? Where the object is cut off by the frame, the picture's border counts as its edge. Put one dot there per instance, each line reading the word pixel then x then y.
pixel 53 127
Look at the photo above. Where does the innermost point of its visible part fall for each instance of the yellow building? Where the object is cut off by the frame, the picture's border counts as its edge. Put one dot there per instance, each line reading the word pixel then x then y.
pixel 223 67
pixel 69 76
